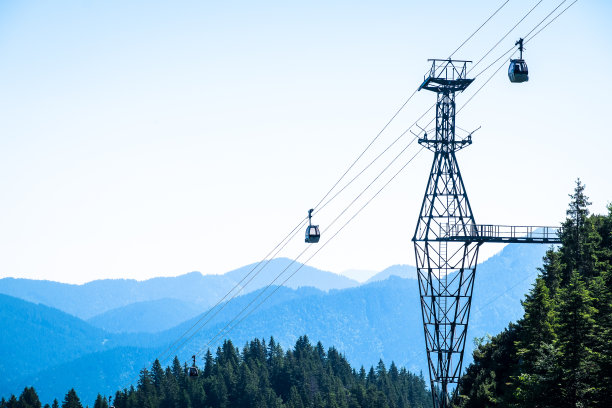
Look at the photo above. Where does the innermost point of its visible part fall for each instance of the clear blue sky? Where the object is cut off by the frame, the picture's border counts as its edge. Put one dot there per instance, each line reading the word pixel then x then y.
pixel 143 138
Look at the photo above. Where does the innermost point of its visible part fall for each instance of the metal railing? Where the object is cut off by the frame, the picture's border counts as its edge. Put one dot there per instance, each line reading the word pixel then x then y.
pixel 499 233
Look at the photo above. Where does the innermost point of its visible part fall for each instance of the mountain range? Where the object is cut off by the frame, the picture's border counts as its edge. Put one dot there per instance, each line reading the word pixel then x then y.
pixel 46 344
pixel 90 300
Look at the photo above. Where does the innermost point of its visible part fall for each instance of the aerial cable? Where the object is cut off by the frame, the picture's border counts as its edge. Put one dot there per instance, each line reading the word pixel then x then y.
pixel 367 147
pixel 508 33
pixel 547 24
pixel 332 223
pixel 223 333
pixel 544 19
pixel 285 240
pixel 377 157
pixel 233 296
pixel 285 243
pixel 527 35
pixel 529 39
pixel 403 105
pixel 483 85
pixel 478 29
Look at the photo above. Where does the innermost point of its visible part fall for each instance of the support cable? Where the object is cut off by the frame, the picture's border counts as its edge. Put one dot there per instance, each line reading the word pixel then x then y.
pixel 234 295
pixel 527 35
pixel 547 24
pixel 504 37
pixel 478 29
pixel 332 223
pixel 367 147
pixel 222 333
pixel 285 240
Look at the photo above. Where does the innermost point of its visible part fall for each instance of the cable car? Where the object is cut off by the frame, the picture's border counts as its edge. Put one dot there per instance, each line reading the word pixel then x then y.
pixel 518 71
pixel 193 370
pixel 312 231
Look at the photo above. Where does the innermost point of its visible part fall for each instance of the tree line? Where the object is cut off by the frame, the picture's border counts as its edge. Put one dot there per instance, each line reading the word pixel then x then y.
pixel 261 375
pixel 559 354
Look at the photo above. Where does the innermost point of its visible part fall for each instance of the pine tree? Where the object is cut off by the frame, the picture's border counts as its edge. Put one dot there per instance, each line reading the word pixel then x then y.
pixel 575 333
pixel 100 402
pixel 575 232
pixel 29 398
pixel 157 374
pixel 71 400
pixel 537 325
pixel 208 364
pixel 12 402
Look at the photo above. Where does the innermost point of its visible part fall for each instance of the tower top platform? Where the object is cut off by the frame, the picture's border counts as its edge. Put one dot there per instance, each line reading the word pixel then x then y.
pixel 446 76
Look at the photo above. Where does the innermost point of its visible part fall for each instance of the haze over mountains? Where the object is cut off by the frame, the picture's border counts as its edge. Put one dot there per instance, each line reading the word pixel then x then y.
pixel 46 342
pixel 97 297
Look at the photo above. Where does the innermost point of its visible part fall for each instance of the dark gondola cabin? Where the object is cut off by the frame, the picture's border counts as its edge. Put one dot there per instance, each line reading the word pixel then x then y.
pixel 312 234
pixel 312 231
pixel 518 71
pixel 193 370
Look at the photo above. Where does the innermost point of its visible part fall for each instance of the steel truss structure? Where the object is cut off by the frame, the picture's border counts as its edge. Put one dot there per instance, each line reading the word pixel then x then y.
pixel 447 238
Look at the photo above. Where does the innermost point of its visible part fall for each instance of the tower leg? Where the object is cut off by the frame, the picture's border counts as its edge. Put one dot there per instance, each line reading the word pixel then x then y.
pixel 446 273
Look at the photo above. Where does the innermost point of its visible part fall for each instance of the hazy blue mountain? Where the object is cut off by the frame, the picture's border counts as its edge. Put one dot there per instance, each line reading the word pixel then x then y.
pixel 96 297
pixel 149 316
pixel 306 276
pixel 34 337
pixel 99 296
pixel 402 271
pixel 501 283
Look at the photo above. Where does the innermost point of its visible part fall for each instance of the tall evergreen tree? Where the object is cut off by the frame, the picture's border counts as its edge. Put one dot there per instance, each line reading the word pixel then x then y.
pixel 29 398
pixel 575 231
pixel 536 328
pixel 71 400
pixel 100 402
pixel 575 334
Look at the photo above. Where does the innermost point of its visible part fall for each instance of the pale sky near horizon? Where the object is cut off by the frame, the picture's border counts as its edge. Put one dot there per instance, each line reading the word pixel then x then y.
pixel 142 139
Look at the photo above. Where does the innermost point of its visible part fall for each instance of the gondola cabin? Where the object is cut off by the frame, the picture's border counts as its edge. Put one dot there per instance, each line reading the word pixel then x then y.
pixel 312 234
pixel 312 231
pixel 518 71
pixel 193 370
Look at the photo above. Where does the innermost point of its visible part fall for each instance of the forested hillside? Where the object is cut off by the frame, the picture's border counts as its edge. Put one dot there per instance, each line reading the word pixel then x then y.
pixel 559 354
pixel 261 375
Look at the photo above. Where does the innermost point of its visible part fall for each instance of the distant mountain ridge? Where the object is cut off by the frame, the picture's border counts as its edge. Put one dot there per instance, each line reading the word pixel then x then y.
pixel 36 336
pixel 402 271
pixel 97 297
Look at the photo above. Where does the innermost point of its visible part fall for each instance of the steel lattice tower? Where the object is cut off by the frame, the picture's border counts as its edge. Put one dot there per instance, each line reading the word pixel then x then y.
pixel 447 238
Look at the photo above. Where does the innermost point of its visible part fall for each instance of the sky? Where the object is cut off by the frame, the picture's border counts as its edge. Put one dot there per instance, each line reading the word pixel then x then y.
pixel 143 138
